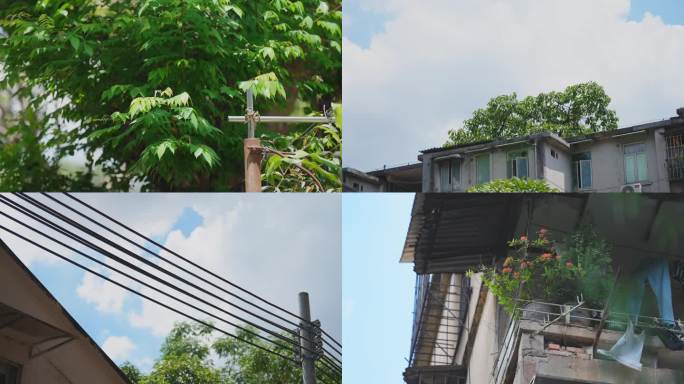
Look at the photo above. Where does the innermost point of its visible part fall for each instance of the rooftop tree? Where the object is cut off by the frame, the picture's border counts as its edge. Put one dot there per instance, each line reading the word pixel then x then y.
pixel 578 110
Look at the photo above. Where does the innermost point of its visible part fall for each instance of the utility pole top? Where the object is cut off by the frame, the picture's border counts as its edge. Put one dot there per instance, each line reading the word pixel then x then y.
pixel 252 145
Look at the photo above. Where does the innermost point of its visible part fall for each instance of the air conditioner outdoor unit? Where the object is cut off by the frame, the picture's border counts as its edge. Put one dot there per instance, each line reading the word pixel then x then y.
pixel 632 188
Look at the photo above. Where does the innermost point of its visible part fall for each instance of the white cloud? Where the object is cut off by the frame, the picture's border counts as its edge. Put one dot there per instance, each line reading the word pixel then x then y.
pixel 106 296
pixel 439 60
pixel 275 246
pixel 118 348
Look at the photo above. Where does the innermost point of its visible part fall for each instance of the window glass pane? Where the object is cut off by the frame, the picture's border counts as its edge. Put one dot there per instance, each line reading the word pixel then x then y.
pixel 635 148
pixel 630 177
pixel 8 373
pixel 641 167
pixel 455 171
pixel 444 176
pixel 521 167
pixel 585 173
pixel 482 169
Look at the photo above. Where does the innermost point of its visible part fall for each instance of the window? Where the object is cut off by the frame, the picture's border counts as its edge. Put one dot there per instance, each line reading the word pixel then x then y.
pixel 517 164
pixel 581 171
pixel 635 163
pixel 482 166
pixel 8 373
pixel 449 174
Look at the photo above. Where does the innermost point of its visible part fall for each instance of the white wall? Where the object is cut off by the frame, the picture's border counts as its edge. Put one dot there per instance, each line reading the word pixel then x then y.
pixel 557 171
pixel 484 354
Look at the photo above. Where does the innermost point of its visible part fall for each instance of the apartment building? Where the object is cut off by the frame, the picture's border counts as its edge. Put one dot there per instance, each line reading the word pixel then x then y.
pixel 461 334
pixel 641 158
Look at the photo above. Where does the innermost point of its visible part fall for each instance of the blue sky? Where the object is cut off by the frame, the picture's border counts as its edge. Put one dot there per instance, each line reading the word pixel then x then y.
pixel 377 292
pixel 363 22
pixel 414 70
pixel 222 232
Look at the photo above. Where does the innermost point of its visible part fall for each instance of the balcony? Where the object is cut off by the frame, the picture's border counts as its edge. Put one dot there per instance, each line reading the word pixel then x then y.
pixel 548 344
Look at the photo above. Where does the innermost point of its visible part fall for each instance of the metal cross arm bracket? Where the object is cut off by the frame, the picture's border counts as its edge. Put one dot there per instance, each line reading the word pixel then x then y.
pixel 281 119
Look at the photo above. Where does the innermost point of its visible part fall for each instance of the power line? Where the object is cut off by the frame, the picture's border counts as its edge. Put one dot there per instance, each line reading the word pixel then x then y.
pixel 126 263
pixel 147 297
pixel 326 361
pixel 161 246
pixel 89 244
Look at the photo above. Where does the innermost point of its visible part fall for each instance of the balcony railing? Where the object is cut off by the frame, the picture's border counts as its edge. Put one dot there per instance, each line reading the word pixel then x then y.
pixel 675 156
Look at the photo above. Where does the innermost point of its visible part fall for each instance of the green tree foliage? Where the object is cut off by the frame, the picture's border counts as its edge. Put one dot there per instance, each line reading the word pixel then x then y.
pixel 514 184
pixel 24 161
pixel 186 358
pixel 313 154
pixel 109 60
pixel 579 109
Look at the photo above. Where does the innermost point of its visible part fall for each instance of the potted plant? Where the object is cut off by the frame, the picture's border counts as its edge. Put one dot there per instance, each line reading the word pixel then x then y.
pixel 545 271
pixel 592 255
pixel 533 270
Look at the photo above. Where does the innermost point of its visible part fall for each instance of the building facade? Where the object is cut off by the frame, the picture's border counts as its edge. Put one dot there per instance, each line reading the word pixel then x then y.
pixel 642 158
pixel 461 334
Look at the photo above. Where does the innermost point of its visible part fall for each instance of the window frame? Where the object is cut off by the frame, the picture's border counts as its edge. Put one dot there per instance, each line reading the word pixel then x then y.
pixel 451 177
pixel 16 366
pixel 510 161
pixel 489 168
pixel 578 185
pixel 637 179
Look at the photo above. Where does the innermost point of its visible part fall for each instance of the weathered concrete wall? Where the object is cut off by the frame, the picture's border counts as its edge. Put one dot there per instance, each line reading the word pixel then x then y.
pixel 485 348
pixel 608 165
pixel 498 167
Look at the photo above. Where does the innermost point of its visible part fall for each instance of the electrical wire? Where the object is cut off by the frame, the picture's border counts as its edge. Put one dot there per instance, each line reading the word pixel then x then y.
pixel 79 239
pixel 161 246
pixel 147 297
pixel 326 361
pixel 90 245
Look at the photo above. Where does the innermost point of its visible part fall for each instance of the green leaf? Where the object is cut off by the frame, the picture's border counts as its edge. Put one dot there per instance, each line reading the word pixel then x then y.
pixel 306 23
pixel 323 8
pixel 237 10
pixel 161 149
pixel 75 42
pixel 337 108
pixel 272 165
pixel 268 52
pixel 88 49
pixel 332 28
pixel 270 15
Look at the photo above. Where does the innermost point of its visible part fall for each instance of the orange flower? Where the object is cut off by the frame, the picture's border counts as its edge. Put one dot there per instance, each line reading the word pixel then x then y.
pixel 507 270
pixel 558 257
pixel 523 238
pixel 516 274
pixel 568 264
pixel 546 256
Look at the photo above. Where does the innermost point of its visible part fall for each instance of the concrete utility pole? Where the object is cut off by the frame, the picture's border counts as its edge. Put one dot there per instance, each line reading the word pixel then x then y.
pixel 308 368
pixel 252 145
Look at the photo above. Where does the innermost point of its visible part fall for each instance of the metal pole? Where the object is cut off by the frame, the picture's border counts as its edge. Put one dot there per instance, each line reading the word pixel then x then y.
pixel 308 369
pixel 251 124
pixel 285 119
pixel 251 150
